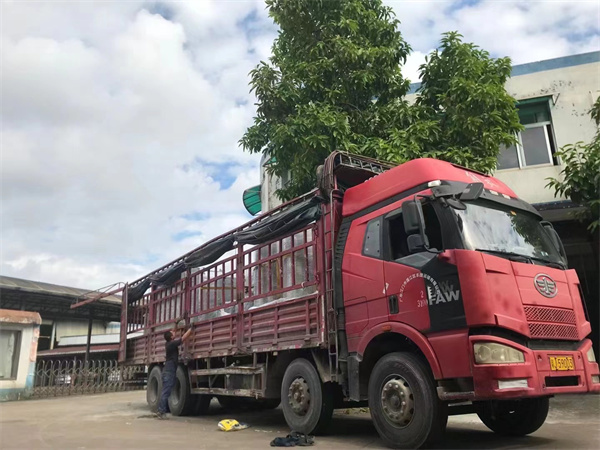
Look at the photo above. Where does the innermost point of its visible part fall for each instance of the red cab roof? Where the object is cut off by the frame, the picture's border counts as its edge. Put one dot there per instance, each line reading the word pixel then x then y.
pixel 410 175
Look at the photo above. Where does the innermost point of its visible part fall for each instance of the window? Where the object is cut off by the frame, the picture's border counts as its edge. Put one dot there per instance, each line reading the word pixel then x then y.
pixel 536 142
pixel 398 236
pixel 491 227
pixel 372 243
pixel 10 342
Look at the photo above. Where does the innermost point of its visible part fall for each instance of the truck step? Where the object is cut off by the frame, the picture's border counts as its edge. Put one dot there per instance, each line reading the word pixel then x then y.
pixel 233 370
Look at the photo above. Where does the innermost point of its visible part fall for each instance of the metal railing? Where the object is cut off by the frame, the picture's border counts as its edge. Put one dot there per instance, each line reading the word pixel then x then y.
pixel 73 377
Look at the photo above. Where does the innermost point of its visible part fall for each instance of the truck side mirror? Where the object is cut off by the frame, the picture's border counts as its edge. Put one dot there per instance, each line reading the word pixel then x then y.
pixel 412 216
pixel 414 226
pixel 472 192
pixel 555 240
pixel 416 244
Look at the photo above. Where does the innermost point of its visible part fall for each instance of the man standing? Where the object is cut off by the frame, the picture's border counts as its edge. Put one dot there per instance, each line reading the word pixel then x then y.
pixel 170 369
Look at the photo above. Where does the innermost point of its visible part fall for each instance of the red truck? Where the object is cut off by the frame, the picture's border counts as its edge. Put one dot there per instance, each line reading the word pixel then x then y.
pixel 422 290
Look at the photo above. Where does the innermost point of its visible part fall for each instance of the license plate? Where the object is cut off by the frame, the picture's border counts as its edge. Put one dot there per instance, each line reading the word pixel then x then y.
pixel 562 363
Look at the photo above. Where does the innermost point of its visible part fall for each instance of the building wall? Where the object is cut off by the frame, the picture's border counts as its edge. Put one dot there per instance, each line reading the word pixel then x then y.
pixel 574 90
pixel 75 327
pixel 22 386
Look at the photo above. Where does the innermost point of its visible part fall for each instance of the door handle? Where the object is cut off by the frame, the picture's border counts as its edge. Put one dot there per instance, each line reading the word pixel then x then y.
pixel 393 303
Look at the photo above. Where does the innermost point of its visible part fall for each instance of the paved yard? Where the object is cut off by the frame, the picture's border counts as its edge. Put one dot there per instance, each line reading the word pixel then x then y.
pixel 122 420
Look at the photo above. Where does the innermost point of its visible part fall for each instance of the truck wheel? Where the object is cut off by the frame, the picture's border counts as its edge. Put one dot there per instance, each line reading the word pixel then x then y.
pixel 154 388
pixel 307 404
pixel 180 400
pixel 404 404
pixel 513 417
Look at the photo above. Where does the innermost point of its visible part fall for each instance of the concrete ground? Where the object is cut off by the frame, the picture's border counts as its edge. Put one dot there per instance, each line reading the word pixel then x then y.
pixel 123 421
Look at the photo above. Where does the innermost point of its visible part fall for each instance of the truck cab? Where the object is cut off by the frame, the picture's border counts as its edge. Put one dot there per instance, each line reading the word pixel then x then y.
pixel 451 266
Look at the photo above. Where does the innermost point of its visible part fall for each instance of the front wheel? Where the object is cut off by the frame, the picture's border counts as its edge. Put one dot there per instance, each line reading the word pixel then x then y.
pixel 306 402
pixel 514 417
pixel 404 404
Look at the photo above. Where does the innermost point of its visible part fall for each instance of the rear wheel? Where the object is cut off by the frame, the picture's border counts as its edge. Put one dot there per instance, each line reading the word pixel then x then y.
pixel 514 417
pixel 181 400
pixel 306 402
pixel 154 388
pixel 404 404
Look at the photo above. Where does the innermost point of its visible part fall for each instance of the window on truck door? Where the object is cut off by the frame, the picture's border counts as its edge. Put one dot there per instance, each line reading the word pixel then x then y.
pixel 398 247
pixel 372 241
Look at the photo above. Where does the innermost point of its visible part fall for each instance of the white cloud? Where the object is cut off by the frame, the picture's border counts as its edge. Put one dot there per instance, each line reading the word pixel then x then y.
pixel 121 120
pixel 524 31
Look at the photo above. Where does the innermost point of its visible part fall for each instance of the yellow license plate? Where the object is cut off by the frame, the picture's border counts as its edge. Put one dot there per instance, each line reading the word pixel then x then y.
pixel 562 363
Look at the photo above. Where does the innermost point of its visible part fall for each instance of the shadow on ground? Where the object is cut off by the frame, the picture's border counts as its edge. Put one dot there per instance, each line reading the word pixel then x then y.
pixel 359 427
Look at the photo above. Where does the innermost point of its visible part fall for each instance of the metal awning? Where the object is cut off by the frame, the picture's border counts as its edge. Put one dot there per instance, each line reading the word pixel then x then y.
pixel 252 200
pixel 54 301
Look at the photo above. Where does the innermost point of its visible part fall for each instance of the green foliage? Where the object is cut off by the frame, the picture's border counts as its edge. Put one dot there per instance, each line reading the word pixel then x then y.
pixel 581 174
pixel 463 88
pixel 317 93
pixel 334 82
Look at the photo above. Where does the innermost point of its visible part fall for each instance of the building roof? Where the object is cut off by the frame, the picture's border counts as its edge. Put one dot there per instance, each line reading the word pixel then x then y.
pixel 20 284
pixel 53 301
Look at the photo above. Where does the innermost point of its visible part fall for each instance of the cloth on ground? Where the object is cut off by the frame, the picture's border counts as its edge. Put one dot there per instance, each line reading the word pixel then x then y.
pixel 293 439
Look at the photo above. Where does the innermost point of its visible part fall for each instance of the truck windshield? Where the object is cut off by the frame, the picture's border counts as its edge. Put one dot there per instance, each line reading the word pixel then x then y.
pixel 491 227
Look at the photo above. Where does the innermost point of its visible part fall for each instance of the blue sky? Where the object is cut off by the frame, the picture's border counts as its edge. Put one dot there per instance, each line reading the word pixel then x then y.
pixel 121 120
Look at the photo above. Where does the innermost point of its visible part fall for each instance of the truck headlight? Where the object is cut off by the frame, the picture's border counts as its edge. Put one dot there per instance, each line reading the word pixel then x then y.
pixel 493 353
pixel 591 356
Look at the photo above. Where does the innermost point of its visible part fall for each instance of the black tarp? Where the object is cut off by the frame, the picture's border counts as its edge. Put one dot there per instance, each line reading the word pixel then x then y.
pixel 168 276
pixel 210 253
pixel 278 225
pixel 281 224
pixel 136 292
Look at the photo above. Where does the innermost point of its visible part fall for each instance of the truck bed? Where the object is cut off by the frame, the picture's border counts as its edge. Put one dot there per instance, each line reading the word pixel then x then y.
pixel 262 297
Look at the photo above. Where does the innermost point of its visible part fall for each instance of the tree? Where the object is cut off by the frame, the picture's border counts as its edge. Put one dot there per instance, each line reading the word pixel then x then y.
pixel 581 174
pixel 334 82
pixel 462 90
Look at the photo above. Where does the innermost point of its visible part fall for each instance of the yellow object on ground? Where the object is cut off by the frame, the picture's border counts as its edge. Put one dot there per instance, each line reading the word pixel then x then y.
pixel 231 425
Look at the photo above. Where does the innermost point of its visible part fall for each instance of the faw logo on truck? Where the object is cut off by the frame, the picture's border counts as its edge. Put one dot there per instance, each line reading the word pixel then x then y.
pixel 437 293
pixel 545 285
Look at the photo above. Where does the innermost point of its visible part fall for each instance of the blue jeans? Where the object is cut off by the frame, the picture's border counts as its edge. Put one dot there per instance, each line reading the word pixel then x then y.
pixel 168 382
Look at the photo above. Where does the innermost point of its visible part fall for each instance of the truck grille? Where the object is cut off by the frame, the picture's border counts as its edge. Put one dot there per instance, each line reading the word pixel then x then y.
pixel 551 323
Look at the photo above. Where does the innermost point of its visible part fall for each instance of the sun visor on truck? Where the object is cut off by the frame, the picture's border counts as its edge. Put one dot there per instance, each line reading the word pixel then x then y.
pixel 281 224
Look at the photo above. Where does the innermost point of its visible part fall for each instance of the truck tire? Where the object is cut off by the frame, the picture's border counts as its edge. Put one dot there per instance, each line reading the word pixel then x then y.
pixel 181 400
pixel 154 388
pixel 404 404
pixel 513 417
pixel 306 402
